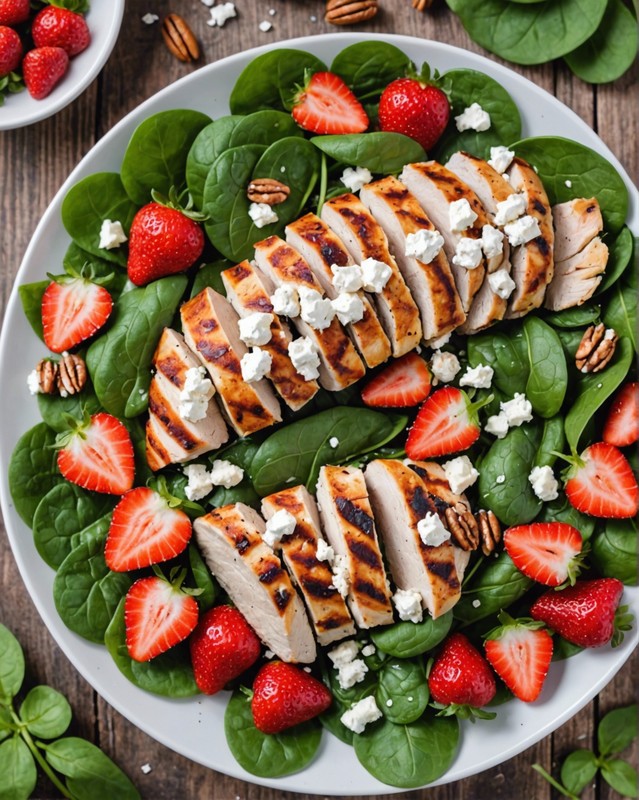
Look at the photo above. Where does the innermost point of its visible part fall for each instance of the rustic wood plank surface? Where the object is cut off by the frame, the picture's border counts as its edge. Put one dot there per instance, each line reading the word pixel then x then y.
pixel 33 164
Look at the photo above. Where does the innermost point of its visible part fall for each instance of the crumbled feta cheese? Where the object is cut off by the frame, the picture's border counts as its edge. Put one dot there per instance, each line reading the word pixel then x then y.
pixel 195 395
pixel 354 179
pixel 269 654
pixel 33 382
pixel 282 523
pixel 265 26
pixel 341 578
pixel 262 214
pixel 272 12
pixel 255 365
pixel 303 354
pixel 361 714
pixel 444 366
pixel 285 301
pixel 348 307
pixel 544 484
pixel 461 215
pixel 200 483
pixel 492 241
pixel 255 329
pixel 497 425
pixel 389 702
pixel 460 473
pixel 424 245
pixel 146 768
pixel 476 603
pixel 347 279
pixel 468 253
pixel 473 118
pixel 610 333
pixel 149 19
pixel 333 442
pixel 344 653
pixel 501 283
pixel 522 230
pixel 431 530
pixel 324 551
pixel 510 208
pixel 500 158
pixel 500 479
pixel 353 672
pixel 221 13
pixel 368 650
pixel 518 410
pixel 316 310
pixel 568 184
pixel 224 473
pixel 208 3
pixel 112 234
pixel 408 603
pixel 375 275
pixel 480 377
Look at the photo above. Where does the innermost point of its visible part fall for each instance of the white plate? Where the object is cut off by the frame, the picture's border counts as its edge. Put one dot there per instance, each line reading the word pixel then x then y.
pixel 104 19
pixel 180 724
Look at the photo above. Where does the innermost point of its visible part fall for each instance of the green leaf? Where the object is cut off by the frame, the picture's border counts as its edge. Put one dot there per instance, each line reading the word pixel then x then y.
pixel 54 408
pixel 264 127
pixel 552 442
pixel 11 666
pixel 402 693
pixel 506 353
pixel 368 67
pixel 619 257
pixel 620 312
pixel 621 776
pixel 548 378
pixel 209 275
pixel 578 770
pixel 576 317
pixel 31 298
pixel 46 713
pixel 18 773
pixel 406 639
pixel 614 551
pixel 617 730
pixel 203 579
pixel 560 510
pixel 378 151
pixel 33 470
pixel 210 142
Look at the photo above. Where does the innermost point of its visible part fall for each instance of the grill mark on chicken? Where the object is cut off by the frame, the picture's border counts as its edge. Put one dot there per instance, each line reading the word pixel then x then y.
pixel 222 355
pixel 355 515
pixel 332 622
pixel 298 270
pixel 282 598
pixel 543 246
pixel 421 502
pixel 318 588
pixel 442 569
pixel 175 429
pixel 239 272
pixel 242 544
pixel 591 208
pixel 271 573
pixel 539 206
pixel 364 552
pixel 172 369
pixel 365 587
pixel 260 304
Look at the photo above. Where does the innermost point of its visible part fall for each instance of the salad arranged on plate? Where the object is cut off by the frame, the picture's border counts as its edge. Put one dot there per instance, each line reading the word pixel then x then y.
pixel 339 408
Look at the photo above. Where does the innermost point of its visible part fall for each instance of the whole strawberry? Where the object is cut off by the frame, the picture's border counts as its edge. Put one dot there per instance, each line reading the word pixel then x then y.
pixel 43 68
pixel 223 646
pixel 285 696
pixel 10 50
pixel 13 12
pixel 415 107
pixel 58 27
pixel 461 679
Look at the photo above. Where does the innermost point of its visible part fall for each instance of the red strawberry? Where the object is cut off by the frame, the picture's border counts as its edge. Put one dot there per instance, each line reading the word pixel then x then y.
pixel 327 105
pixel 415 108
pixel 223 646
pixel 145 530
pixel 13 12
pixel 546 552
pixel 446 423
pixel 602 483
pixel 73 309
pixel 98 455
pixel 584 614
pixel 622 425
pixel 405 382
pixel 58 27
pixel 158 614
pixel 520 653
pixel 10 50
pixel 460 677
pixel 43 68
pixel 285 695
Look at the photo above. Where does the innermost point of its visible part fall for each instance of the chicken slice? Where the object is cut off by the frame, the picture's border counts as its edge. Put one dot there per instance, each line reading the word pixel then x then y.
pixel 432 285
pixel 211 330
pixel 437 485
pixel 253 577
pixel 576 279
pixel 576 223
pixel 321 248
pixel 340 366
pixel 326 607
pixel 364 238
pixel 249 290
pixel 348 523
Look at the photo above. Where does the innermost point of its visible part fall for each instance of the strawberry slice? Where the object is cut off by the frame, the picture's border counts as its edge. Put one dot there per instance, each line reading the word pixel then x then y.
pixel 326 105
pixel 97 454
pixel 622 425
pixel 158 614
pixel 446 423
pixel 546 552
pixel 145 529
pixel 73 309
pixel 520 652
pixel 602 483
pixel 404 383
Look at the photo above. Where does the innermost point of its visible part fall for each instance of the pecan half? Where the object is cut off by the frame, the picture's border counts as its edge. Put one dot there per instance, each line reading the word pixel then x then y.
pixel 462 526
pixel 422 5
pixel 72 375
pixel 47 372
pixel 179 38
pixel 489 531
pixel 267 190
pixel 596 348
pixel 349 12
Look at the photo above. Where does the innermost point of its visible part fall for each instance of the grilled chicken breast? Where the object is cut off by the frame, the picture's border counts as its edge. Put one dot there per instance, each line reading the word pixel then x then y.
pixel 348 523
pixel 326 607
pixel 432 285
pixel 437 485
pixel 364 238
pixel 253 577
pixel 248 290
pixel 340 365
pixel 211 330
pixel 576 223
pixel 576 278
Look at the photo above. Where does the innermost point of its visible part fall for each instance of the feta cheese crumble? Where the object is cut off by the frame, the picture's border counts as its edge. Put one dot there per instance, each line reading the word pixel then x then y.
pixel 316 310
pixel 408 603
pixel 518 410
pixel 341 578
pixel 199 482
pixel 468 253
pixel 476 603
pixel 461 215
pixel 497 425
pixel 354 179
pixel 324 551
pixel 347 279
pixel 444 366
pixel 375 275
pixel 544 484
pixel 460 473
pixel 285 301
pixel 361 714
pixel 501 283
pixel 473 118
pixel 522 230
pixel 281 524
pixel 265 26
pixel 33 382
pixel 255 365
pixel 149 19
pixel 431 530
pixel 568 184
pixel 221 13
pixel 305 358
pixel 348 307
pixel 262 214
pixel 344 653
pixel 369 650
pixel 255 329
pixel 480 377
pixel 492 241
pixel 224 473
pixel 146 768
pixel 333 442
pixel 500 158
pixel 510 208
pixel 112 234
pixel 350 669
pixel 424 245
pixel 195 395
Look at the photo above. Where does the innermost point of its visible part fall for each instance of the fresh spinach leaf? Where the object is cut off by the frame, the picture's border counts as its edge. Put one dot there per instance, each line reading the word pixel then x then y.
pixel 614 551
pixel 560 510
pixel 378 151
pixel 33 469
pixel 563 649
pixel 406 639
pixel 210 142
pixel 548 376
pixel 11 665
pixel 30 295
pixel 18 773
pixel 506 353
pixel 620 312
pixel 264 127
pixel 496 585
pixel 46 713
pixel 578 770
pixel 368 67
pixel 552 441
pixel 402 693
pixel 576 317
pixel 617 730
pixel 210 275
pixel 619 257
pixel 331 720
pixel 203 579
pixel 54 407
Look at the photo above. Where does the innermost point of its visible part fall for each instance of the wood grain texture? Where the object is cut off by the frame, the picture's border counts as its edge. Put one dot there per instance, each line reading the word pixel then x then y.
pixel 34 162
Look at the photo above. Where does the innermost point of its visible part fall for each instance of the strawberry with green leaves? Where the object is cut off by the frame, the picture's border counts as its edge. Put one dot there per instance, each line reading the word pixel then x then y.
pixel 326 105
pixel 601 483
pixel 284 696
pixel 59 27
pixel 403 383
pixel 546 552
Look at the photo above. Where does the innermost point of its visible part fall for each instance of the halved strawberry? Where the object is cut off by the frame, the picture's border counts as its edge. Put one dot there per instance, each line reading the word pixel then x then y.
pixel 446 423
pixel 602 483
pixel 546 552
pixel 73 309
pixel 403 383
pixel 145 530
pixel 97 454
pixel 622 425
pixel 326 105
pixel 158 614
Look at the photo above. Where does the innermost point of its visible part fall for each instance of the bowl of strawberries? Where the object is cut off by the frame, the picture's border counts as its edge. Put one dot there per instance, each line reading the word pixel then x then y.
pixel 50 51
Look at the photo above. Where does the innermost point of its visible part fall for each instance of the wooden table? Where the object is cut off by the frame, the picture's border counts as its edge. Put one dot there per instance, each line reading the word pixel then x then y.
pixel 34 161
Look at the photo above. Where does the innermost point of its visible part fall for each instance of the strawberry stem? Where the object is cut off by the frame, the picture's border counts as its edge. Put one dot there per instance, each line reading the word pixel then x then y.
pixel 174 201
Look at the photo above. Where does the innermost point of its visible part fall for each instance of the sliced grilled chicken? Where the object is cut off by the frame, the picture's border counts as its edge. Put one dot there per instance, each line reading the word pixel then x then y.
pixel 364 238
pixel 400 500
pixel 169 438
pixel 349 526
pixel 340 366
pixel 435 188
pixel 532 263
pixel 321 248
pixel 432 285
pixel 576 223
pixel 253 577
pixel 249 290
pixel 326 607
pixel 211 330
pixel 576 278
pixel 437 485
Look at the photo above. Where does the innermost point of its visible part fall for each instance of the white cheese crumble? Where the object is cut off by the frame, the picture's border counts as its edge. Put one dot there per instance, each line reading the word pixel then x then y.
pixel 492 241
pixel 460 473
pixel 316 310
pixel 348 307
pixel 501 283
pixel 344 653
pixel 112 234
pixel 468 253
pixel 333 442
pixel 33 382
pixel 369 650
pixel 255 365
pixel 473 118
pixel 324 551
pixel 269 654
pixel 146 768
pixel 431 530
pixel 518 410
pixel 476 603
pixel 408 603
pixel 255 329
pixel 285 301
pixel 281 524
pixel 497 425
pixel 544 484
pixel 510 208
pixel 444 366
pixel 224 473
pixel 361 714
pixel 375 275
pixel 500 479
pixel 305 358
pixel 522 230
pixel 347 279
pixel 568 184
pixel 354 179
pixel 265 26
pixel 195 395
pixel 262 214
pixel 149 19
pixel 350 669
pixel 200 483
pixel 500 158
pixel 461 215
pixel 480 377
pixel 438 343
pixel 221 13
pixel 424 245
pixel 341 578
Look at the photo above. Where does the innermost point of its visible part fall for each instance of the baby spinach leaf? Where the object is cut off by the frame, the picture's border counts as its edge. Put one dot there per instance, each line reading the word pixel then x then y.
pixel 111 276
pixel 402 693
pixel 563 649
pixel 620 312
pixel 264 127
pixel 408 756
pixel 577 317
pixel 548 377
pixel 54 407
pixel 210 142
pixel 368 67
pixel 614 551
pixel 46 713
pixel 406 639
pixel 11 665
pixel 621 775
pixel 30 295
pixel 203 579
pixel 297 163
pixel 331 720
pixel 156 153
pixel 619 257
pixel 33 469
pixel 552 439
pixel 18 773
pixel 119 361
pixel 560 510
pixel 578 770
pixel 496 585
pixel 617 730
pixel 506 353
pixel 263 754
pixel 209 275
pixel 378 151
